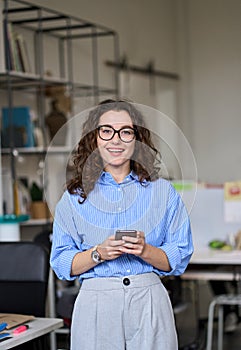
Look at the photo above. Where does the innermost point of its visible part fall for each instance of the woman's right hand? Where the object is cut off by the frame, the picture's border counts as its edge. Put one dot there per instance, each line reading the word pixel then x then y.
pixel 110 249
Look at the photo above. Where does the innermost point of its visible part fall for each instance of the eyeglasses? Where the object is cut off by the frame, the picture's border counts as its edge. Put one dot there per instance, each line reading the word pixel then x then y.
pixel 107 132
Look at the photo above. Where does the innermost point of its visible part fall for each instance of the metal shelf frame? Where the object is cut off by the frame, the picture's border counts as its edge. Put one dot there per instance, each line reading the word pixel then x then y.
pixel 65 29
pixel 42 22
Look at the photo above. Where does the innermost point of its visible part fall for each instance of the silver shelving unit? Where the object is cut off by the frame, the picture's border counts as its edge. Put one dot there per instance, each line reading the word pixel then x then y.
pixel 67 32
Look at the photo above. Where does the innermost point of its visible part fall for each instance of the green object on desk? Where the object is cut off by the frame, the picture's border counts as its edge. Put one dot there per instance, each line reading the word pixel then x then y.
pixel 12 219
pixel 179 186
pixel 217 244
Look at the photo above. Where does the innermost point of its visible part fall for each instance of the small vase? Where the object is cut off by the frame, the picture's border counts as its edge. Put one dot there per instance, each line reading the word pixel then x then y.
pixel 55 121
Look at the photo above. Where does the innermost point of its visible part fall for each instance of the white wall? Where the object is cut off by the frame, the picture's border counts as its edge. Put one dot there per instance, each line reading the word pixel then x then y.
pixel 146 28
pixel 213 30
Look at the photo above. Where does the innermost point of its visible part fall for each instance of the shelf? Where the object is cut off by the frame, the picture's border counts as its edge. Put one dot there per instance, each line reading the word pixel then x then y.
pixel 27 81
pixel 148 70
pixel 36 150
pixel 65 31
pixel 51 22
pixel 36 222
pixel 13 219
pixel 30 82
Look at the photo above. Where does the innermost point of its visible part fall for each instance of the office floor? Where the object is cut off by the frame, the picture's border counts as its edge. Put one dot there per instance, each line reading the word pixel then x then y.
pixel 192 334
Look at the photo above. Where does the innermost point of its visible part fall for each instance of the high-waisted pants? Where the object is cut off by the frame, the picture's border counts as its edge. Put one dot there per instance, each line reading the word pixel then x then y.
pixel 123 313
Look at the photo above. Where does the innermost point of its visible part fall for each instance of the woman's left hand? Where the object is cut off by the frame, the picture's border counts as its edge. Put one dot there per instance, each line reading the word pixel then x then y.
pixel 134 245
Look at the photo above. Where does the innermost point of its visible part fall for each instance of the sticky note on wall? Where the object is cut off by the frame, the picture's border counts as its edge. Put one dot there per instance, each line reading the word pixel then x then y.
pixel 232 201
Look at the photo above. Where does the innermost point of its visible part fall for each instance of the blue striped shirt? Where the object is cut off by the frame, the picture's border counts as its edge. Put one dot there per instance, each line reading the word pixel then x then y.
pixel 152 207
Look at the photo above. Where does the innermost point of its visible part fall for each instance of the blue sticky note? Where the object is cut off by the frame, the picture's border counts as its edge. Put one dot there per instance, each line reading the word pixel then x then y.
pixel 3 325
pixel 4 335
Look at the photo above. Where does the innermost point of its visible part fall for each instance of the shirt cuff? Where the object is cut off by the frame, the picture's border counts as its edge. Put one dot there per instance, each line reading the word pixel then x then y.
pixel 63 269
pixel 173 256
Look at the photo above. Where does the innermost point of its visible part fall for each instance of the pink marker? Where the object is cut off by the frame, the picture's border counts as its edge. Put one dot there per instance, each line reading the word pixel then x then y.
pixel 21 329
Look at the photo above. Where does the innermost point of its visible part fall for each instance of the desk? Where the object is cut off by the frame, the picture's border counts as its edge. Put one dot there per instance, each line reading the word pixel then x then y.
pixel 209 264
pixel 216 256
pixel 37 328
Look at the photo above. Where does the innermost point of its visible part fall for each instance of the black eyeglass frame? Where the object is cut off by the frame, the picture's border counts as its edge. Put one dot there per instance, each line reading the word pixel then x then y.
pixel 116 132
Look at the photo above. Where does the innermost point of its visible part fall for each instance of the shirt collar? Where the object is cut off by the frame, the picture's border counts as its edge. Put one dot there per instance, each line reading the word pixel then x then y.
pixel 107 178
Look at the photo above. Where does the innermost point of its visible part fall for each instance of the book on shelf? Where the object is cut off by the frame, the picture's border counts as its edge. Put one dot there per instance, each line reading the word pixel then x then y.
pixel 8 47
pixel 16 52
pixel 13 54
pixel 2 55
pixel 20 120
pixel 19 53
pixel 23 53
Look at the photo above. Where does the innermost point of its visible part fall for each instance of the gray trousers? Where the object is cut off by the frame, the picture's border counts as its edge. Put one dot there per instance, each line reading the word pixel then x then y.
pixel 127 313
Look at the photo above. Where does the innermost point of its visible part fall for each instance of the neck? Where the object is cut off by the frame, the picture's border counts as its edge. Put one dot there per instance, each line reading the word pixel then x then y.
pixel 118 173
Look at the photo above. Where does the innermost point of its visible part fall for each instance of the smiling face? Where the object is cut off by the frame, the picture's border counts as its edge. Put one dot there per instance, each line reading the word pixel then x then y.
pixel 115 153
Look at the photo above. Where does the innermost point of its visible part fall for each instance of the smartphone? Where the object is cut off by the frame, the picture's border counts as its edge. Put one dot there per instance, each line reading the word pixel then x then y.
pixel 120 233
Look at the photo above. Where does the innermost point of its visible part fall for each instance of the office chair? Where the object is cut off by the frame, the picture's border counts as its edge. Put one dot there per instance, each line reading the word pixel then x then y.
pixel 219 301
pixel 24 270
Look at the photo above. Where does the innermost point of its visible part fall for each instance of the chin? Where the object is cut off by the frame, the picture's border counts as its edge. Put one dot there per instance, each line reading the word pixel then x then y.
pixel 117 162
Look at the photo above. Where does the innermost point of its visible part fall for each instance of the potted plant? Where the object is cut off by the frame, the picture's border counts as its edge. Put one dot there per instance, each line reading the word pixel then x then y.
pixel 38 208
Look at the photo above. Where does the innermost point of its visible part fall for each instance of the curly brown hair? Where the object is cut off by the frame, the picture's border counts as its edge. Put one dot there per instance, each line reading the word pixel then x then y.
pixel 88 164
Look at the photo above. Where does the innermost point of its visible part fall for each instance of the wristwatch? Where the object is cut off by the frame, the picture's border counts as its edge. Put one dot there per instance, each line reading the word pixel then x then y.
pixel 95 255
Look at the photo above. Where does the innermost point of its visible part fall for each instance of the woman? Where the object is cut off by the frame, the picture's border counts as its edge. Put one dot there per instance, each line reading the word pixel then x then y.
pixel 122 303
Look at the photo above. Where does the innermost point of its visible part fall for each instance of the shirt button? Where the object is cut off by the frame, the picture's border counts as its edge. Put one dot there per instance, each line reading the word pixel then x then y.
pixel 126 281
pixel 119 208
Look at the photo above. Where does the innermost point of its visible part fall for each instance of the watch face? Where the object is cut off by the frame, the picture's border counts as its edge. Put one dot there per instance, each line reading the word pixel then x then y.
pixel 95 256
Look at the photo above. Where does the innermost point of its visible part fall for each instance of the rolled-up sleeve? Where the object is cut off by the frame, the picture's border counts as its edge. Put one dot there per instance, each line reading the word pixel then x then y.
pixel 178 244
pixel 64 247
